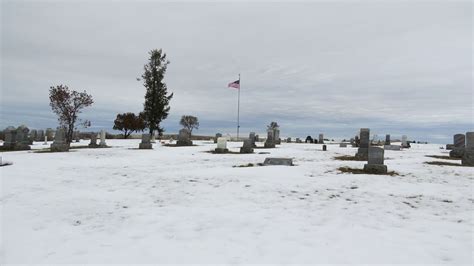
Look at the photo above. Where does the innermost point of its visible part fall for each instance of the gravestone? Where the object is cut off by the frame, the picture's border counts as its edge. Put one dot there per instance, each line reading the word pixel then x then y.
pixel 276 136
pixel 10 138
pixel 325 147
pixel 102 139
pixel 288 140
pixel 252 139
pixel 387 139
pixel 308 139
pixel 33 135
pixel 76 136
pixel 363 151
pixel 392 147
pixel 405 143
pixel 146 142
pixel 270 142
pixel 22 140
pixel 45 140
pixel 218 135
pixel 449 146
pixel 321 139
pixel 221 145
pixel 93 143
pixel 343 145
pixel 59 144
pixel 298 140
pixel 40 135
pixel 247 146
pixel 184 138
pixel 50 133
pixel 357 141
pixel 278 161
pixel 468 156
pixel 457 151
pixel 375 163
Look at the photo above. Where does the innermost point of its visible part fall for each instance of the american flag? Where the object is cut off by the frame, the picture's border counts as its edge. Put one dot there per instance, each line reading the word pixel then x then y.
pixel 235 84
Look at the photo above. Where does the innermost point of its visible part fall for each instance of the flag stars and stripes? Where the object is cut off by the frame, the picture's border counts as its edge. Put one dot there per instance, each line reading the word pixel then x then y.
pixel 235 84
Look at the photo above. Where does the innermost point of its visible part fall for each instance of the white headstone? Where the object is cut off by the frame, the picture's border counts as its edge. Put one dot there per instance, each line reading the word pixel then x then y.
pixel 102 138
pixel 222 143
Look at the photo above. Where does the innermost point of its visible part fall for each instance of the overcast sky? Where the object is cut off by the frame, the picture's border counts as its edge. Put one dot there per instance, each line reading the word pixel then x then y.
pixel 395 67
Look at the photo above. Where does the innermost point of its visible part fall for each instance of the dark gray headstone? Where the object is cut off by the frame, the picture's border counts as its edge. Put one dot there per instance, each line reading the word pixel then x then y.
pixel 270 142
pixel 469 140
pixel 22 140
pixel 363 151
pixel 10 138
pixel 146 142
pixel 459 141
pixel 184 138
pixel 247 147
pixel 278 161
pixel 321 138
pixel 375 161
pixel 40 135
pixel 387 139
pixel 252 139
pixel 276 136
pixel 60 144
pixel 468 156
pixel 50 133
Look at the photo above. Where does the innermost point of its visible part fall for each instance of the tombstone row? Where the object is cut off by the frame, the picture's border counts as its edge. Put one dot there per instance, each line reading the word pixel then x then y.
pixel 463 148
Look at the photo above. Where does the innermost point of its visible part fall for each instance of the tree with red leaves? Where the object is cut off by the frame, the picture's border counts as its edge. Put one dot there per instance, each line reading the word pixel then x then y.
pixel 68 104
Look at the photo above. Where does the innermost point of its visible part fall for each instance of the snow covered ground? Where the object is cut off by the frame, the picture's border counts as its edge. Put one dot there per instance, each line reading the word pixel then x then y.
pixel 183 205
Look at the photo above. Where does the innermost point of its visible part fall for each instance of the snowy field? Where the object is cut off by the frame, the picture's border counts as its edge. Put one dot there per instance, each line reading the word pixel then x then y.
pixel 183 205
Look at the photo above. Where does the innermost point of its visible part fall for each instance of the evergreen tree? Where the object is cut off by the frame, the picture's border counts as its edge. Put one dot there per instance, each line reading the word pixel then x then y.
pixel 156 106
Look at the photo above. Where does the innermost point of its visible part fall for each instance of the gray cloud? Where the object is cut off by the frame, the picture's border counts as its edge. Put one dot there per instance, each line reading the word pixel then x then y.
pixel 330 67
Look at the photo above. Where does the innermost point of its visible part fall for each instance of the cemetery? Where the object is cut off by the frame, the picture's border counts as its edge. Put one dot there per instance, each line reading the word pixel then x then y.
pixel 294 186
pixel 242 133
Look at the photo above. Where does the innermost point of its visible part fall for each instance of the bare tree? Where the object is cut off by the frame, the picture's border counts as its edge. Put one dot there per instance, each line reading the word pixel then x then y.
pixel 189 122
pixel 68 104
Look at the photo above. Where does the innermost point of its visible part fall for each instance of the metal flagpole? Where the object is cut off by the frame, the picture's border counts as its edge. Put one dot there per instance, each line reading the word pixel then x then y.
pixel 238 111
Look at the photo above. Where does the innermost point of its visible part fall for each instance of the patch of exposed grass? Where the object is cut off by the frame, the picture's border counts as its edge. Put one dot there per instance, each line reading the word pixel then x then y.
pixel 443 157
pixel 47 150
pixel 443 163
pixel 357 171
pixel 248 165
pixel 227 152
pixel 84 147
pixel 5 150
pixel 176 145
pixel 348 158
pixel 245 165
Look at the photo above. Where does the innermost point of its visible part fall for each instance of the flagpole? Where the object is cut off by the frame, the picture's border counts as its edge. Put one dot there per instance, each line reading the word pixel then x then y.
pixel 238 110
